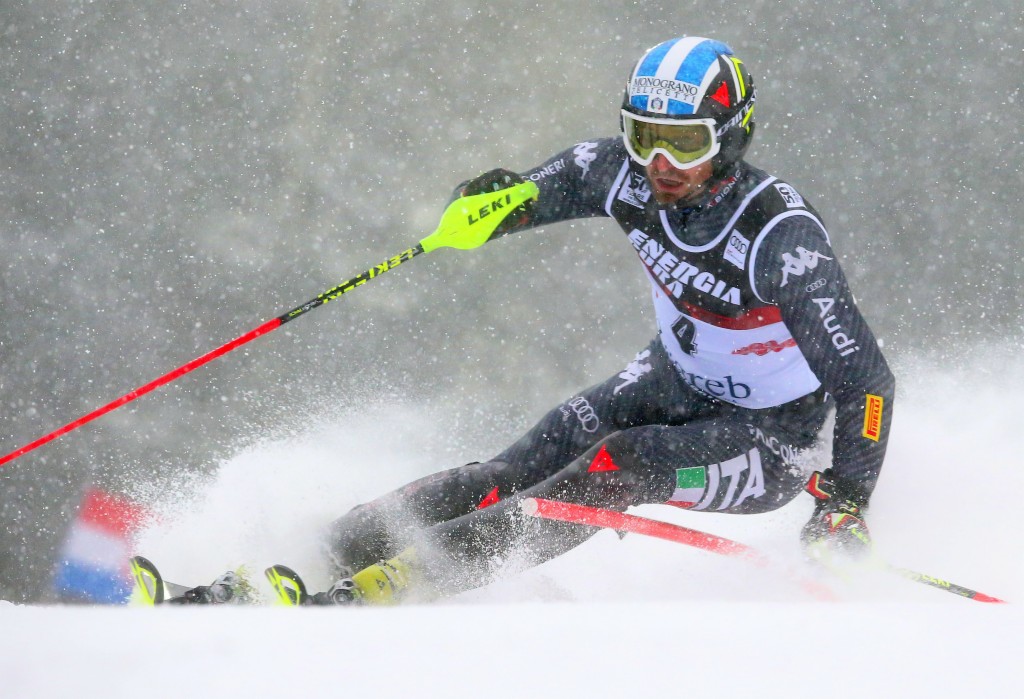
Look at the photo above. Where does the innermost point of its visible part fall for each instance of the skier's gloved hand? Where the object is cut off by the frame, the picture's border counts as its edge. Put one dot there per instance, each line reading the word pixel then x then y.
pixel 492 181
pixel 837 526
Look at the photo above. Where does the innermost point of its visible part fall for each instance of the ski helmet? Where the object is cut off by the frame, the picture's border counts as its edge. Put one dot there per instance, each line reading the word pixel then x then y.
pixel 692 100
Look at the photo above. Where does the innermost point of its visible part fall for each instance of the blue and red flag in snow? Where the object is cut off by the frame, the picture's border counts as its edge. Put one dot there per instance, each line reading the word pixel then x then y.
pixel 93 563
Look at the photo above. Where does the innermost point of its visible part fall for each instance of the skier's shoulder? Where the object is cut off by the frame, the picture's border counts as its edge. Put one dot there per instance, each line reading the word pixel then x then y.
pixel 787 233
pixel 584 161
pixel 772 196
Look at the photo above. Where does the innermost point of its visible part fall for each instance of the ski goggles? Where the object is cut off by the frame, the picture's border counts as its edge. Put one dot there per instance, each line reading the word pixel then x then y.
pixel 686 143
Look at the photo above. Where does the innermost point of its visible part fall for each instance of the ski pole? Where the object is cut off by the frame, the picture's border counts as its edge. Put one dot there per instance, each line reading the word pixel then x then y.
pixel 622 522
pixel 467 223
pixel 941 584
pixel 619 521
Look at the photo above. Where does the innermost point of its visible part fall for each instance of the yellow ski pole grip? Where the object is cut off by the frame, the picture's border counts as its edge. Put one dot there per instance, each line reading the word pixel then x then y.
pixel 469 222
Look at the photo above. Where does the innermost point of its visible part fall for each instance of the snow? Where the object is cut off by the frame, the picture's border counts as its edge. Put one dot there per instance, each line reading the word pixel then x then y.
pixel 567 649
pixel 612 618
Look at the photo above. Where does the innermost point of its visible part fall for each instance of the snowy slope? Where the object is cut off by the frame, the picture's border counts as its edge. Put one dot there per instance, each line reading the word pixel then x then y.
pixel 684 648
pixel 611 618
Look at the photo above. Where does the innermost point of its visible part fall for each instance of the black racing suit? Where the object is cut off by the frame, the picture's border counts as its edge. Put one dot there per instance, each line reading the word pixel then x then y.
pixel 758 336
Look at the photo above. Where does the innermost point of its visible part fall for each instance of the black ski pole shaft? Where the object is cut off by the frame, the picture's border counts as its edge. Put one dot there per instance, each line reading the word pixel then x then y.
pixel 945 585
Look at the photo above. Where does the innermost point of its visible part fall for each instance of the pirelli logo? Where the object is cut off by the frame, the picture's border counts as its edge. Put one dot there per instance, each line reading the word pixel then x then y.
pixel 873 417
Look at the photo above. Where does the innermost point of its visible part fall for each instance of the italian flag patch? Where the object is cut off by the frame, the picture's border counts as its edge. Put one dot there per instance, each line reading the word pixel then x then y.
pixel 690 485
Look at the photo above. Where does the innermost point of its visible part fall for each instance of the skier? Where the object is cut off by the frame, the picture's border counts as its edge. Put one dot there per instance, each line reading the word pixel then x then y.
pixel 758 338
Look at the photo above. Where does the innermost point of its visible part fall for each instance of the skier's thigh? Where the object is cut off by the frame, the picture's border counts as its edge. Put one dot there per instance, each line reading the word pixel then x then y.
pixel 716 464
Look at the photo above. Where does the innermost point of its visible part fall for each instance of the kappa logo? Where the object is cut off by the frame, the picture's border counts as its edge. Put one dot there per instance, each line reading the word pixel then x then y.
pixel 634 371
pixel 805 260
pixel 585 155
pixel 635 191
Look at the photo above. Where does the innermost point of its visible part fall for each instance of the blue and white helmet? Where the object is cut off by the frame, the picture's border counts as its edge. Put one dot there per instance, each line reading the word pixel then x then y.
pixel 691 80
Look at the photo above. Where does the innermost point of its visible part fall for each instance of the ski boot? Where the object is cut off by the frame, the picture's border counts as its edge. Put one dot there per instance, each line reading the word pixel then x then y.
pixel 342 592
pixel 383 583
pixel 229 588
pixel 291 590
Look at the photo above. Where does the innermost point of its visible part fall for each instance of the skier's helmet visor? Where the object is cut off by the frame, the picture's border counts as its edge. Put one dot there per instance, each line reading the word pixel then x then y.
pixel 686 143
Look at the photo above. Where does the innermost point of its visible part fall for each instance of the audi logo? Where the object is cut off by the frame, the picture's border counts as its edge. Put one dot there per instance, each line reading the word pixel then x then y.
pixel 585 414
pixel 815 285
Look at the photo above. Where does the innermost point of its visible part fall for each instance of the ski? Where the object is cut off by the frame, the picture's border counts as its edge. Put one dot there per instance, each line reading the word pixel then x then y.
pixel 149 587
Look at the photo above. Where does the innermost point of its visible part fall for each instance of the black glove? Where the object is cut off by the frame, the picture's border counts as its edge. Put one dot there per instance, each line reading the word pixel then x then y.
pixel 493 181
pixel 837 525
